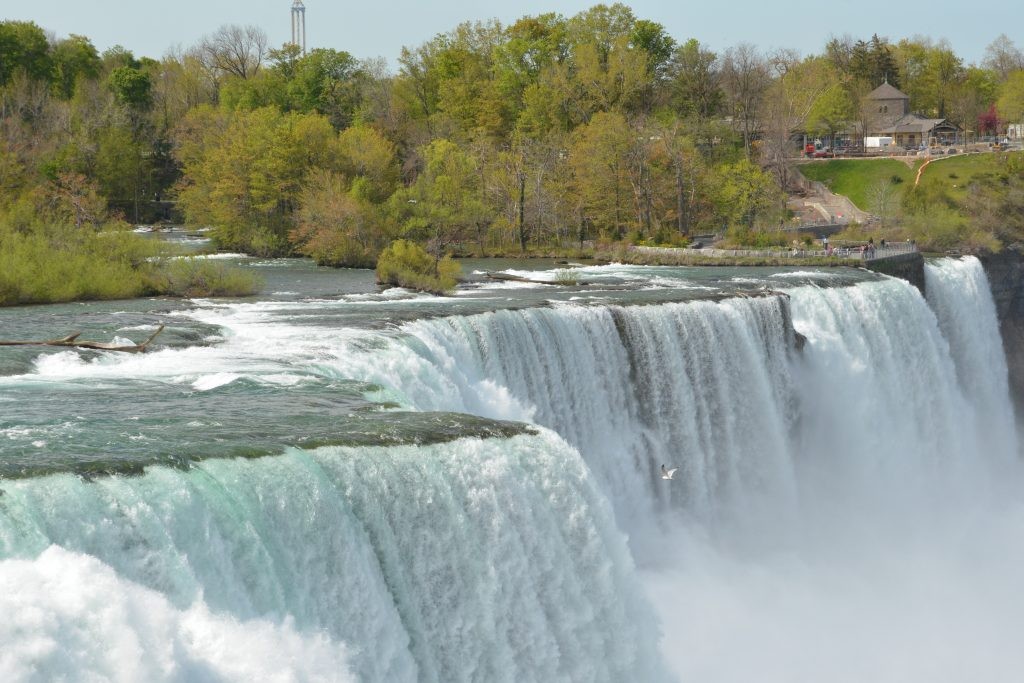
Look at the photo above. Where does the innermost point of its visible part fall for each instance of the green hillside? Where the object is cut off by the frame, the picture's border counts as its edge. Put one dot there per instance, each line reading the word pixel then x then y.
pixel 958 173
pixel 968 201
pixel 855 178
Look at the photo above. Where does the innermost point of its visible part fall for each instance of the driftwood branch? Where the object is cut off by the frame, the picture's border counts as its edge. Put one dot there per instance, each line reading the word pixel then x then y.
pixel 72 341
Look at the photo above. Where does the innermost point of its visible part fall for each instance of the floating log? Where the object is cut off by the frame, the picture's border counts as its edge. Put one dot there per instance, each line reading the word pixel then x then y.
pixel 72 341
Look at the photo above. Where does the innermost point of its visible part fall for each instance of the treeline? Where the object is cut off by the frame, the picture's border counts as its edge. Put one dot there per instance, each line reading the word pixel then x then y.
pixel 545 135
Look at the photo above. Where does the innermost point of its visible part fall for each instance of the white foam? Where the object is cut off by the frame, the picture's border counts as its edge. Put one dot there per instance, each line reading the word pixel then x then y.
pixel 209 382
pixel 68 616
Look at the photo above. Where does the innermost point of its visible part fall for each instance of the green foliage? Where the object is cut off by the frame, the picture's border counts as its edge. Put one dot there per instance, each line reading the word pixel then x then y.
pixel 43 262
pixel 67 264
pixel 406 264
pixel 537 137
pixel 873 62
pixel 24 48
pixel 335 227
pixel 445 202
pixel 198 277
pixel 74 58
pixel 131 87
pixel 1011 101
pixel 855 178
pixel 244 171
pixel 740 236
pixel 746 196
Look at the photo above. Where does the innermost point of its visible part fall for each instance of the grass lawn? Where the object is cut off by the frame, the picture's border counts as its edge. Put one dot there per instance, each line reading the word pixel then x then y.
pixel 957 172
pixel 855 177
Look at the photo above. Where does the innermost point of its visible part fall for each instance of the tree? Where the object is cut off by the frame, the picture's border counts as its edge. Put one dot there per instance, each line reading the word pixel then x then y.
pixel 972 95
pixel 370 161
pixel 131 87
pixel 530 45
pixel 469 97
pixel 745 78
pixel 599 162
pixel 334 227
pixel 76 197
pixel 789 105
pixel 930 73
pixel 444 204
pixel 234 50
pixel 23 47
pixel 243 172
pixel 873 63
pixel 652 38
pixel 73 58
pixel 695 82
pixel 685 163
pixel 744 194
pixel 1003 57
pixel 1011 100
pixel 989 123
pixel 327 82
pixel 832 110
pixel 601 26
pixel 607 78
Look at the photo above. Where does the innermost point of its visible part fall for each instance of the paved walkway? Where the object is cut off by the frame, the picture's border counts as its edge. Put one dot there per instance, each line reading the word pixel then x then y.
pixel 845 252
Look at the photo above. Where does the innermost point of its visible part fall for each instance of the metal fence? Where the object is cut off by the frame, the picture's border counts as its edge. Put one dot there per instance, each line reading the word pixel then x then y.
pixel 865 252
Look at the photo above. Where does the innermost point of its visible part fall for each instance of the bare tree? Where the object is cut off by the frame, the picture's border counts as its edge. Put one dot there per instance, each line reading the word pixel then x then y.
pixel 745 78
pixel 882 200
pixel 1003 57
pixel 234 50
pixel 787 105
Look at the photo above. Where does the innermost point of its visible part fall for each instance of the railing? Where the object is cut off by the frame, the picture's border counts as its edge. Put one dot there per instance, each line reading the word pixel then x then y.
pixel 863 252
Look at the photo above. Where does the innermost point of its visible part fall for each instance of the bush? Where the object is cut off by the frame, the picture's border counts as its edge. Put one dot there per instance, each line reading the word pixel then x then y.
pixel 54 263
pixel 406 264
pixel 197 277
pixel 741 236
pixel 62 263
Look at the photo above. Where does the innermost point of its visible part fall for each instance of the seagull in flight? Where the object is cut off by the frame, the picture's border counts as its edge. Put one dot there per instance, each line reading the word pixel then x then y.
pixel 667 474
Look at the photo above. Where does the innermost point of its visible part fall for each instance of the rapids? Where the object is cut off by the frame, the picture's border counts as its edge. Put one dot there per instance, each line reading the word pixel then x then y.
pixel 847 508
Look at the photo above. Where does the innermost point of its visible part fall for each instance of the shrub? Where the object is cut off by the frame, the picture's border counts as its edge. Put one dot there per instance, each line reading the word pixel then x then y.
pixel 566 277
pixel 197 277
pixel 406 264
pixel 741 236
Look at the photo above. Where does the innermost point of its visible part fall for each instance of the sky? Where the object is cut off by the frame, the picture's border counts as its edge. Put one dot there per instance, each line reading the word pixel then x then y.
pixel 381 29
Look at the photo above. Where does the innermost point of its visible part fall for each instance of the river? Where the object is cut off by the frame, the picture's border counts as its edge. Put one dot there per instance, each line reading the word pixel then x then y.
pixel 332 482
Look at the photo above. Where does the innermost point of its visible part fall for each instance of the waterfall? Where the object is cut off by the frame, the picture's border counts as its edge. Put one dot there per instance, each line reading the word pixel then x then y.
pixel 474 560
pixel 959 293
pixel 846 508
pixel 703 386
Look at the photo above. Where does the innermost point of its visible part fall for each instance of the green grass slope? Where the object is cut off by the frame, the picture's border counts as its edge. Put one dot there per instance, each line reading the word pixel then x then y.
pixel 957 173
pixel 855 178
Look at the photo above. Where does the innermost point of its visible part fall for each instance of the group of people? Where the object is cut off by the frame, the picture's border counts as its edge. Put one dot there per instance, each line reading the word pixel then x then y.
pixel 866 251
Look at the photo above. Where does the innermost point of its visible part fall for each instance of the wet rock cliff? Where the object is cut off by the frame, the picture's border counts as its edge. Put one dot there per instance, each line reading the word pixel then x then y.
pixel 1005 272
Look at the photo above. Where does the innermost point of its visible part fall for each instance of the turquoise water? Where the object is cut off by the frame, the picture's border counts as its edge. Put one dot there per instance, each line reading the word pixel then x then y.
pixel 328 481
pixel 194 397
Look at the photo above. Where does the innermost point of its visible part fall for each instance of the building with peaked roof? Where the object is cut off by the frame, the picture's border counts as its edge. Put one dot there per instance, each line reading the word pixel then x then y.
pixel 886 105
pixel 889 115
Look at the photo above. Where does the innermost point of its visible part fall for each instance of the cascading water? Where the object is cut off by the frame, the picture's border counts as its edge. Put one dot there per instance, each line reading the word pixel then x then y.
pixel 475 560
pixel 704 386
pixel 887 439
pixel 844 511
pixel 958 292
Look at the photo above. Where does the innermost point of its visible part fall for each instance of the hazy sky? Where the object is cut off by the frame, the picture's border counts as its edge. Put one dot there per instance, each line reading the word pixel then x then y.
pixel 380 28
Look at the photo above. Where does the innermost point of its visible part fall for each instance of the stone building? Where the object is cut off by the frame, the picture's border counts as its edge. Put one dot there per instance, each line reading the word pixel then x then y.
pixel 888 115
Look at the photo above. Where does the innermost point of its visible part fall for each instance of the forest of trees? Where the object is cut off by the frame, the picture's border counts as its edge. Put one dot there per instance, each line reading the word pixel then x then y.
pixel 542 135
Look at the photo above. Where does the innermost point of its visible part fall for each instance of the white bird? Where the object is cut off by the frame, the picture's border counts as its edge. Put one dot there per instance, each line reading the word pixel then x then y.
pixel 667 474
